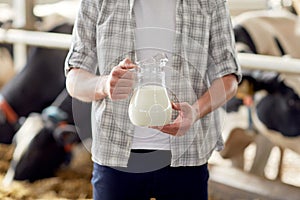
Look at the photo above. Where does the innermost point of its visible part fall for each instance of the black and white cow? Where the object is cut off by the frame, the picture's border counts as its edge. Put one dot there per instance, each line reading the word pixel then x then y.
pixel 274 116
pixel 272 32
pixel 276 113
pixel 34 88
pixel 278 109
pixel 44 142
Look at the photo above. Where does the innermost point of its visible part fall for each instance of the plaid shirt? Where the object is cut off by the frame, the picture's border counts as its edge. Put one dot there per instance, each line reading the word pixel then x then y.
pixel 203 50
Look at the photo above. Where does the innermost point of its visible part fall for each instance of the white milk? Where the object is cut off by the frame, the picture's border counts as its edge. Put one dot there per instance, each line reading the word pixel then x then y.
pixel 150 106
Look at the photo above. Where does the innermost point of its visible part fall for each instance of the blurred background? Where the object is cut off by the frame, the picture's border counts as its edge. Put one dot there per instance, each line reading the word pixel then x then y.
pixel 44 151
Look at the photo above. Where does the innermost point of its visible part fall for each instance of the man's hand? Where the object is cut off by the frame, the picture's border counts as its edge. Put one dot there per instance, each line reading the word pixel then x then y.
pixel 120 82
pixel 185 119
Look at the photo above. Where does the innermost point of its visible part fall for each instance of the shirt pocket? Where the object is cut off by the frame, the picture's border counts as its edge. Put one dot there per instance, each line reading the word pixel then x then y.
pixel 199 28
pixel 115 39
pixel 195 39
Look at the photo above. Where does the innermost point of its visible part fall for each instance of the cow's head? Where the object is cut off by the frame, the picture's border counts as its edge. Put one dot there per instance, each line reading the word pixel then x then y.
pixel 253 82
pixel 48 150
pixel 43 144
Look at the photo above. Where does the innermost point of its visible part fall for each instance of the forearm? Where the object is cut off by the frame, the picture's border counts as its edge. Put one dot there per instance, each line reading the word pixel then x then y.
pixel 218 94
pixel 86 86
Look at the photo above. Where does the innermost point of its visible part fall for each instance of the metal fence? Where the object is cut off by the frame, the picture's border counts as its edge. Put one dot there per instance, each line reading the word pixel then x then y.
pixel 62 41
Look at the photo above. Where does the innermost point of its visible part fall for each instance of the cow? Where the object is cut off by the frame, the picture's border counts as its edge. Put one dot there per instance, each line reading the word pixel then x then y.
pixel 34 88
pixel 43 136
pixel 274 115
pixel 45 140
pixel 272 32
pixel 279 99
pixel 269 33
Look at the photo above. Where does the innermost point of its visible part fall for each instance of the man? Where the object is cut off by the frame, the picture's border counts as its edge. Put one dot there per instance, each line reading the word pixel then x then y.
pixel 109 37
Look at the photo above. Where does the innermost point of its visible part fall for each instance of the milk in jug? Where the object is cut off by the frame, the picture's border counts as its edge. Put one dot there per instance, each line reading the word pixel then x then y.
pixel 150 104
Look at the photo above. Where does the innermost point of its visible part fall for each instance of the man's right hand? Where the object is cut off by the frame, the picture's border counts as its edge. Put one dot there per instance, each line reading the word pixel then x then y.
pixel 119 83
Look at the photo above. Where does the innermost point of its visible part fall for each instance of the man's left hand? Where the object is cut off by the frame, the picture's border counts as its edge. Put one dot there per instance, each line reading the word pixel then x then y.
pixel 185 119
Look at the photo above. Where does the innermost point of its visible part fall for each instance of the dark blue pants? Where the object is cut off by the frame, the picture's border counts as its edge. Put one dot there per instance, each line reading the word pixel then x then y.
pixel 167 183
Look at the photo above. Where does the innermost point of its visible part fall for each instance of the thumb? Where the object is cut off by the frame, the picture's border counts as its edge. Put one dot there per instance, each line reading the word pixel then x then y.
pixel 127 64
pixel 126 61
pixel 175 106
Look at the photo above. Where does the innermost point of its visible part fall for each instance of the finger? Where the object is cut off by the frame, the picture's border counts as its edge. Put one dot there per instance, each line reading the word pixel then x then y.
pixel 119 97
pixel 126 61
pixel 175 106
pixel 115 82
pixel 171 129
pixel 127 64
pixel 184 106
pixel 115 91
pixel 118 72
pixel 124 83
pixel 122 90
pixel 128 75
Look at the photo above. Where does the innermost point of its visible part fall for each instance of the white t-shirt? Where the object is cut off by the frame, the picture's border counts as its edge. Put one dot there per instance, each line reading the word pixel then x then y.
pixel 155 22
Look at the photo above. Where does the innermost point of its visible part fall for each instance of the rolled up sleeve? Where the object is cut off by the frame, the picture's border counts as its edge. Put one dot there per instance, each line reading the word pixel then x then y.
pixel 82 53
pixel 223 57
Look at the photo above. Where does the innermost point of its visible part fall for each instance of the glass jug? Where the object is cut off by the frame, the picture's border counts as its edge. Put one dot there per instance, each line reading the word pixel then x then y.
pixel 150 104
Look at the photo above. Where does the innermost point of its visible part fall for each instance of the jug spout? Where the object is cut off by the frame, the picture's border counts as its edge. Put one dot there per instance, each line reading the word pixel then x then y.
pixel 161 59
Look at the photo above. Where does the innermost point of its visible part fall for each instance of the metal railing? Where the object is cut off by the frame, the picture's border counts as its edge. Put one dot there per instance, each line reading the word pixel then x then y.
pixel 269 63
pixel 36 38
pixel 62 41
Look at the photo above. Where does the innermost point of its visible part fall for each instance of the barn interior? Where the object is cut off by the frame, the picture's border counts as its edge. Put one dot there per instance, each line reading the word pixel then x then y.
pixel 260 125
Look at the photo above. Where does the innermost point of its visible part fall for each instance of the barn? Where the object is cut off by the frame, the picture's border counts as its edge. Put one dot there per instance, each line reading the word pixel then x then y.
pixel 46 131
